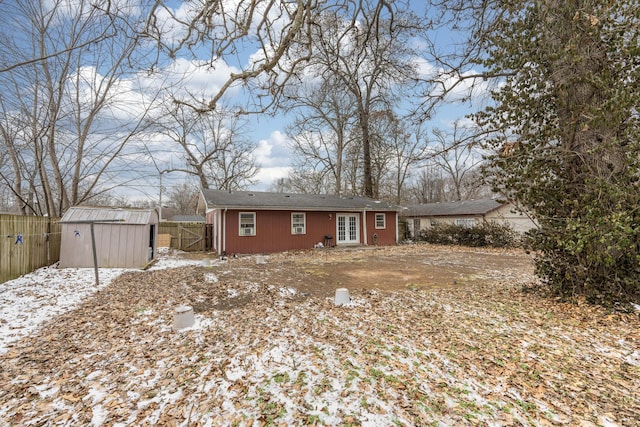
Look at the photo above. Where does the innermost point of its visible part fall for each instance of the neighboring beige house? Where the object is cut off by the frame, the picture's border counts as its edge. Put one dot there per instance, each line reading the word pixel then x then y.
pixel 466 212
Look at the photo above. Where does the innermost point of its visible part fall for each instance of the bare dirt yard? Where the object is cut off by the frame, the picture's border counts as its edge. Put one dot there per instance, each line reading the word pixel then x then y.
pixel 433 336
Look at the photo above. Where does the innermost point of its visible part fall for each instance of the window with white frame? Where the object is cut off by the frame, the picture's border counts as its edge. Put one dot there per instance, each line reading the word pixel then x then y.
pixel 247 224
pixel 381 221
pixel 298 223
pixel 466 222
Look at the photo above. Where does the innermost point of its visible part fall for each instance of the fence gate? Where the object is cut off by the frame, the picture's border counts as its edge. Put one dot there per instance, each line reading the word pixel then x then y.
pixel 188 236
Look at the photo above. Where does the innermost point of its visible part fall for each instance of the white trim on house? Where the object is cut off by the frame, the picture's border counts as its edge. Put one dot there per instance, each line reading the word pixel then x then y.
pixel 246 231
pixel 298 227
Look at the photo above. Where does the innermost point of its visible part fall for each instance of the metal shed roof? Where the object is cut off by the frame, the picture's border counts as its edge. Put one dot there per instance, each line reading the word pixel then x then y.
pixel 289 201
pixel 464 207
pixel 126 215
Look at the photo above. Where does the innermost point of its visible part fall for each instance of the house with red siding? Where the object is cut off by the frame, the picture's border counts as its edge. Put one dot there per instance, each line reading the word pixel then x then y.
pixel 251 222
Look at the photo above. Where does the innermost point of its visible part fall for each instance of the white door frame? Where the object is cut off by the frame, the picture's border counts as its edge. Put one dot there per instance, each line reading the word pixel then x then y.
pixel 351 233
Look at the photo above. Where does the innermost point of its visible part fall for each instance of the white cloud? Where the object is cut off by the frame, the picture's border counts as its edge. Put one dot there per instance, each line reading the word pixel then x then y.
pixel 184 76
pixel 268 176
pixel 453 85
pixel 273 152
pixel 273 156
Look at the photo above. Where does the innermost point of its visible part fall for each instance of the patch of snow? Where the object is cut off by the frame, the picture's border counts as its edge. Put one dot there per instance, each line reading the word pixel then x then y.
pixel 633 358
pixel 46 390
pixel 287 292
pixel 605 421
pixel 164 263
pixel 210 277
pixel 94 375
pixel 32 299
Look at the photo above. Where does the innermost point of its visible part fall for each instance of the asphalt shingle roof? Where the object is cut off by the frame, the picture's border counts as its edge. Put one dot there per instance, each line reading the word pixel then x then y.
pixel 465 207
pixel 289 201
pixel 187 218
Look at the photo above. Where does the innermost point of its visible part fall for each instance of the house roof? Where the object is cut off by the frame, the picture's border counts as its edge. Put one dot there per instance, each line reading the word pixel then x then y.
pixel 290 201
pixel 126 215
pixel 461 208
pixel 187 218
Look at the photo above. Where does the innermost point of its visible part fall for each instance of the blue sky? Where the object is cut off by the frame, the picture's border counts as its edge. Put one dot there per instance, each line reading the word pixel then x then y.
pixel 272 152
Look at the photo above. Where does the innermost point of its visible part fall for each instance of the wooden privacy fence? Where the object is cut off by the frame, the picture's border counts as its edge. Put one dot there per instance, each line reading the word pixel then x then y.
pixel 26 244
pixel 187 236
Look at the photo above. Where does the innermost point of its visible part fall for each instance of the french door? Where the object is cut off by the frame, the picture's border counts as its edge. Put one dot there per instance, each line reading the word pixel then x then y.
pixel 348 229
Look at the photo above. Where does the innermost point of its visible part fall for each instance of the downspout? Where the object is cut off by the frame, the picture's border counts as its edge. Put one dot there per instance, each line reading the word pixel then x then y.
pixel 216 229
pixel 397 228
pixel 224 232
pixel 364 226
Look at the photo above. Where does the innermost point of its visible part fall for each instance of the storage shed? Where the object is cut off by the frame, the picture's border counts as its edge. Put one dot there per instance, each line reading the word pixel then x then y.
pixel 124 237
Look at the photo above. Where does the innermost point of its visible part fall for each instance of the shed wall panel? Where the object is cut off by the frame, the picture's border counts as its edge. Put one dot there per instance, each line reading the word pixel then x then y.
pixel 117 246
pixel 75 248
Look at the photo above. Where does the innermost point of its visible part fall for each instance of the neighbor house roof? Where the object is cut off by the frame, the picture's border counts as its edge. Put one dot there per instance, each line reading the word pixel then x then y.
pixel 187 218
pixel 464 207
pixel 89 213
pixel 289 201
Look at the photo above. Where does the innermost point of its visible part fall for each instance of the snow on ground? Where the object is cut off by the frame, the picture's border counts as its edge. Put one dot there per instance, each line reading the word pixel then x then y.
pixel 31 299
pixel 263 353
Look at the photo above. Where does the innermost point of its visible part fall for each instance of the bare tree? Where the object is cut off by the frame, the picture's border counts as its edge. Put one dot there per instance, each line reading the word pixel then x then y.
pixel 458 160
pixel 429 186
pixel 74 124
pixel 364 46
pixel 183 198
pixel 225 28
pixel 400 147
pixel 371 61
pixel 322 129
pixel 304 181
pixel 215 149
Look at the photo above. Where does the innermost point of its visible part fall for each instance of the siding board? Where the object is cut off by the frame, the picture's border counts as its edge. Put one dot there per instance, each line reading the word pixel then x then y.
pixel 273 231
pixel 118 245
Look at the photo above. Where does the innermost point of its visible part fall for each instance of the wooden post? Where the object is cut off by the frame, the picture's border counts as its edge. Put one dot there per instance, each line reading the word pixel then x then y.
pixel 95 256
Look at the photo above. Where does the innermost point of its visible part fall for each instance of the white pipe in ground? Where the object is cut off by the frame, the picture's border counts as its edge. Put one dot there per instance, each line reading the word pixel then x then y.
pixel 342 296
pixel 183 317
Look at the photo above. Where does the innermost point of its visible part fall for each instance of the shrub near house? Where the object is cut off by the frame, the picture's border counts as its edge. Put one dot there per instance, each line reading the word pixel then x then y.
pixel 485 234
pixel 481 217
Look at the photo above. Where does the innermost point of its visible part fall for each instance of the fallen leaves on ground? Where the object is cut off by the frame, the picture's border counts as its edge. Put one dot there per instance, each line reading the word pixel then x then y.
pixel 265 351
